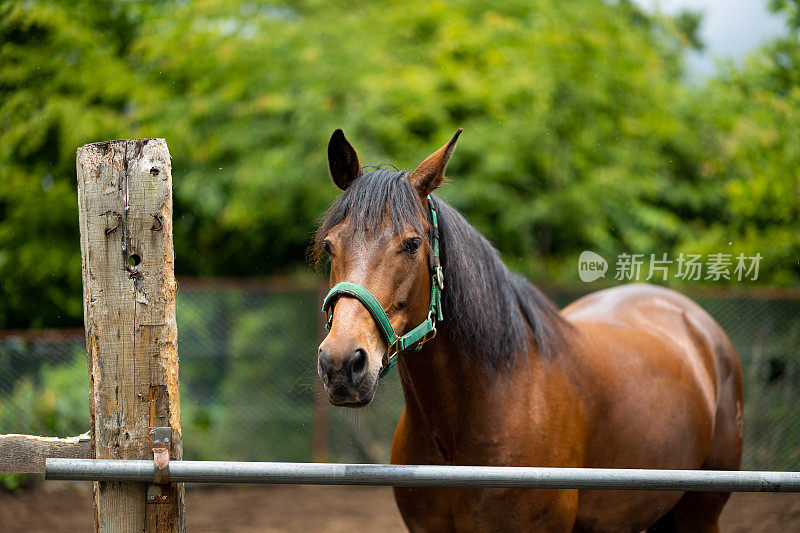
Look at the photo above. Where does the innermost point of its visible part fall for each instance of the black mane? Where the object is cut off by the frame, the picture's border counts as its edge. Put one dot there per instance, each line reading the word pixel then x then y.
pixel 492 315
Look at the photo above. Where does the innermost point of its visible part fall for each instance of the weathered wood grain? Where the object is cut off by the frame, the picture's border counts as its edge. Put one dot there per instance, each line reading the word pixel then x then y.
pixel 125 209
pixel 26 454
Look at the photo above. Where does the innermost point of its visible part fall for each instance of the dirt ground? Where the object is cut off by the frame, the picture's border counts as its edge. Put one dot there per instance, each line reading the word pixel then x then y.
pixel 64 506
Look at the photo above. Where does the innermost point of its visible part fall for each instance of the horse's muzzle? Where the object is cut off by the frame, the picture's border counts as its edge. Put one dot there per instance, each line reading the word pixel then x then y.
pixel 346 377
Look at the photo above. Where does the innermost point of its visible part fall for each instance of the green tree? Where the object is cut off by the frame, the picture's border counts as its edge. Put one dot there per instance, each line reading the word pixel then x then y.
pixel 748 116
pixel 566 119
pixel 580 131
pixel 62 84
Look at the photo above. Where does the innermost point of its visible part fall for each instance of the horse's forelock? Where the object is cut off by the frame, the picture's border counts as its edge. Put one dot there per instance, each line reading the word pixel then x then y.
pixel 368 201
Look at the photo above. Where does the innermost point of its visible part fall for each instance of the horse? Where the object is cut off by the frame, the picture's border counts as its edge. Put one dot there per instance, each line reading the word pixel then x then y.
pixel 636 376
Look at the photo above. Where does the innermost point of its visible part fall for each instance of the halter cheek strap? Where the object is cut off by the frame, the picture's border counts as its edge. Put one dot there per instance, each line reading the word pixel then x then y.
pixel 417 337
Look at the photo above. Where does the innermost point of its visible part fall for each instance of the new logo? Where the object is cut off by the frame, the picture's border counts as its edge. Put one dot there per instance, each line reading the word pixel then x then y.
pixel 591 266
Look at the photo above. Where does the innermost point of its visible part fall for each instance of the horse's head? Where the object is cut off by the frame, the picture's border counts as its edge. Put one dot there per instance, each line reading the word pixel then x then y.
pixel 378 238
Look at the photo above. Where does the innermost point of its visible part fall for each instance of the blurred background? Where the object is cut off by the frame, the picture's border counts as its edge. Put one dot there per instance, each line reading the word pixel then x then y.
pixel 613 126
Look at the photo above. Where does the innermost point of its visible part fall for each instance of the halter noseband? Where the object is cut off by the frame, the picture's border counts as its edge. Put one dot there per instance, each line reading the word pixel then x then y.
pixel 417 337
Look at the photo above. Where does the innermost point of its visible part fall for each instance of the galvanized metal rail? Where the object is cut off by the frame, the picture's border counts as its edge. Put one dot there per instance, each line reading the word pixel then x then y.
pixel 424 475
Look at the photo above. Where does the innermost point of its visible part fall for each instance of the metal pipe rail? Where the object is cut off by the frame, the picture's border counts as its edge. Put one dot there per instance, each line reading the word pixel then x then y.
pixel 424 475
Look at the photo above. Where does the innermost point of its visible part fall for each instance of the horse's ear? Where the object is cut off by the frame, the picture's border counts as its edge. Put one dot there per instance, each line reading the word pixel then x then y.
pixel 342 161
pixel 430 174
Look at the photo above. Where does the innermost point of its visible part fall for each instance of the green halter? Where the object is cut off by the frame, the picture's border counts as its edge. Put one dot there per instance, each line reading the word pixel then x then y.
pixel 417 337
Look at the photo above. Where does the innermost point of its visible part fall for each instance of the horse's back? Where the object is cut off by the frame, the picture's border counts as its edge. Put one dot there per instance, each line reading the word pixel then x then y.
pixel 666 392
pixel 690 340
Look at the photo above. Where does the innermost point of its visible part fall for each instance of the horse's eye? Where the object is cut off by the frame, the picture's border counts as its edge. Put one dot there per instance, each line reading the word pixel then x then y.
pixel 410 246
pixel 327 248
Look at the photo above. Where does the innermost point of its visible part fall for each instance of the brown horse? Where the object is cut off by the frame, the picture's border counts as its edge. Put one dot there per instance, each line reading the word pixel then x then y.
pixel 631 377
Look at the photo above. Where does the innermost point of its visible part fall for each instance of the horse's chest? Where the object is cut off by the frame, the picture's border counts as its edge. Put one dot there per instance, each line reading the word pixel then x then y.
pixel 441 509
pixel 468 509
pixel 475 509
pixel 444 509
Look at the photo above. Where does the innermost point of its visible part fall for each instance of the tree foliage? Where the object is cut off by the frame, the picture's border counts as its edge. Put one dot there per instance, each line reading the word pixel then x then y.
pixel 580 130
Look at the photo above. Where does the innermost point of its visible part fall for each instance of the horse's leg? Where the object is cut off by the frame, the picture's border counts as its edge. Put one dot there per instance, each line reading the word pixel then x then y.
pixel 700 511
pixel 665 524
pixel 695 512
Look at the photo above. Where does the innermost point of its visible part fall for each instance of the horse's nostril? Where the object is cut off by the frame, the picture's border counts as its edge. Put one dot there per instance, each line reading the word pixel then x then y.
pixel 359 362
pixel 324 365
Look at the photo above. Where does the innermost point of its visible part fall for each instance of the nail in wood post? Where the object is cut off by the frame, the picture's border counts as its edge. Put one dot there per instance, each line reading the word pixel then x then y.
pixel 125 205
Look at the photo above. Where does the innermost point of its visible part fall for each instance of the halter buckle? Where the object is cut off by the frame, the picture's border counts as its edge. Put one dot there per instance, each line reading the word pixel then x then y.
pixel 391 351
pixel 438 274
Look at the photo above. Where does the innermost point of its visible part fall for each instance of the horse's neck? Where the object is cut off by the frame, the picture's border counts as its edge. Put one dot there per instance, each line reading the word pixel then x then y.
pixel 448 397
pixel 437 387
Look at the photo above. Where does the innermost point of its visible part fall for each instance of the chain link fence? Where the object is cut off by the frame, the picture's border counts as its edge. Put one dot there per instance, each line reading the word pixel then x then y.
pixel 248 378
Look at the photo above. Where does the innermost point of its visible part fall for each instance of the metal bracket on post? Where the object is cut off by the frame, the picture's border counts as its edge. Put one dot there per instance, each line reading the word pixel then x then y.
pixel 160 449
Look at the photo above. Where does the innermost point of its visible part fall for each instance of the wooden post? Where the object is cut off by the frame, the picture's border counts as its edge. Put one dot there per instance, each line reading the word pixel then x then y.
pixel 125 207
